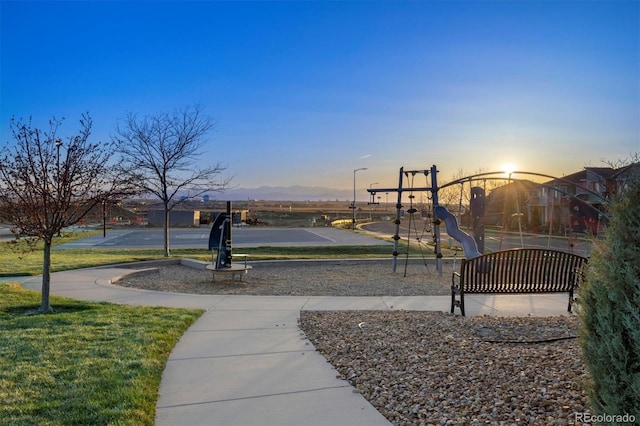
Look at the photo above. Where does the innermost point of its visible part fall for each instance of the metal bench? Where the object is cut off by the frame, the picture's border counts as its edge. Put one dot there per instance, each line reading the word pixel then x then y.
pixel 235 270
pixel 518 271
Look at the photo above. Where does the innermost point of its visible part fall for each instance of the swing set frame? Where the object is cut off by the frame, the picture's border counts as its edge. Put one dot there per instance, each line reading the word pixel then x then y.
pixel 433 172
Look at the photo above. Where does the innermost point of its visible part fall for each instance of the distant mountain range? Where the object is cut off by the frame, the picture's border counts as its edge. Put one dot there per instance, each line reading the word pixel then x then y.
pixel 286 193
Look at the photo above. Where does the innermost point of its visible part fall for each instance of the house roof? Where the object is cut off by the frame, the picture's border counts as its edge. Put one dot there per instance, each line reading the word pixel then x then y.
pixel 605 172
pixel 627 170
pixel 579 177
pixel 575 178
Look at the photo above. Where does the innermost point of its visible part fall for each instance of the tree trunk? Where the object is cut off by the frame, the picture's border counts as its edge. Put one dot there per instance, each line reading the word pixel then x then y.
pixel 45 304
pixel 166 231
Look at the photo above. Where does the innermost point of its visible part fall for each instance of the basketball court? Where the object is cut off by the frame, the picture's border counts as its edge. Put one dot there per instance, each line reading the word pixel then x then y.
pixel 241 237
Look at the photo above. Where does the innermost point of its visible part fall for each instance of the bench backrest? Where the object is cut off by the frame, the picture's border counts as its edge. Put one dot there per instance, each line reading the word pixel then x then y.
pixel 521 271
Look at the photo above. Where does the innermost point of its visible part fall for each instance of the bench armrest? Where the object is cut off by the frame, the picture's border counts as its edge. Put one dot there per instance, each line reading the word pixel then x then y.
pixel 455 287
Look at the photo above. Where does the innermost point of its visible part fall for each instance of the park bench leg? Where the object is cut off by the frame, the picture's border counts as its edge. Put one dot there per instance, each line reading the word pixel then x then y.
pixel 455 289
pixel 459 303
pixel 570 301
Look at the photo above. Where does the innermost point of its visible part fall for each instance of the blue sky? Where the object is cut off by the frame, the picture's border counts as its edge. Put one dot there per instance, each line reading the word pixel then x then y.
pixel 304 92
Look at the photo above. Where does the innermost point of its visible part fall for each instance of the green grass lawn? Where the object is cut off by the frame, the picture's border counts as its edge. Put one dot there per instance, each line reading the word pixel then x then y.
pixel 87 363
pixel 14 263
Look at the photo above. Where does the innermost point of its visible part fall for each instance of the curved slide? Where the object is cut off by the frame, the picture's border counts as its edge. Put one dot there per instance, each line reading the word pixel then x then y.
pixel 468 243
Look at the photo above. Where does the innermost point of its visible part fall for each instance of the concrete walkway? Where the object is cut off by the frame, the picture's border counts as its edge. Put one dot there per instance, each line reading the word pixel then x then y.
pixel 246 362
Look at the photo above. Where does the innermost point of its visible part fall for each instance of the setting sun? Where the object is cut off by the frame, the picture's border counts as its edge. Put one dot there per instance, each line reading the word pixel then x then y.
pixel 508 168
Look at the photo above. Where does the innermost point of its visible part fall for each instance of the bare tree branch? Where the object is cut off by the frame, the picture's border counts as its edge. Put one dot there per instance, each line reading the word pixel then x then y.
pixel 161 152
pixel 47 183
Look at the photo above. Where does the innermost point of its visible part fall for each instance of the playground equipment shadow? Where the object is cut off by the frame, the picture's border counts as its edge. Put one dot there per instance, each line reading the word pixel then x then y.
pixel 246 362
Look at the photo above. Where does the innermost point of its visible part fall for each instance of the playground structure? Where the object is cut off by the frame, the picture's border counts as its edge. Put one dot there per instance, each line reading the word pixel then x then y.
pixel 472 246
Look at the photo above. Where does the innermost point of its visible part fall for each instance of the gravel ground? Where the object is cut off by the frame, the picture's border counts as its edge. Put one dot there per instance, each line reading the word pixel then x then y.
pixel 418 368
pixel 430 368
pixel 309 278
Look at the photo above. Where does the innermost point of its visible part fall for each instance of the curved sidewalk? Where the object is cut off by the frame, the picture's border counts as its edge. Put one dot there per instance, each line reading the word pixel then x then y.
pixel 246 362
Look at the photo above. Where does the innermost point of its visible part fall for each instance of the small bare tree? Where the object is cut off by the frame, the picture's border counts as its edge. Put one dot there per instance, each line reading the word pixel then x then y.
pixel 161 152
pixel 47 184
pixel 456 195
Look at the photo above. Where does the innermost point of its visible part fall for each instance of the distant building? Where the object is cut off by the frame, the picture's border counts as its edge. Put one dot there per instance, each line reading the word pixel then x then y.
pixel 190 218
pixel 575 202
pixel 572 204
pixel 176 218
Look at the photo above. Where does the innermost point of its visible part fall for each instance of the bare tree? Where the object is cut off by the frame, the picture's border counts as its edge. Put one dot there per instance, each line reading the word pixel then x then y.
pixel 460 195
pixel 47 184
pixel 633 158
pixel 162 151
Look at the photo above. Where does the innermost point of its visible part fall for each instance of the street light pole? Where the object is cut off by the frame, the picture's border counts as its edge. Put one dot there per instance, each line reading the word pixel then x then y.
pixel 373 200
pixel 104 218
pixel 353 206
pixel 58 145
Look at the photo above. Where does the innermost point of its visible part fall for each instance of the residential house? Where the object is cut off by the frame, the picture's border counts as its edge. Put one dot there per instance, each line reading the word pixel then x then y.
pixel 575 203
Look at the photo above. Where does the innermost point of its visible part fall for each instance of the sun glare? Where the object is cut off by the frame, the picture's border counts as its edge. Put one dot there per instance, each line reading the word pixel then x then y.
pixel 508 168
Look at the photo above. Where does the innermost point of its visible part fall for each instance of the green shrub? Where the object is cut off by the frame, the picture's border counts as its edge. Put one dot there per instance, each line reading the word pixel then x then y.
pixel 610 311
